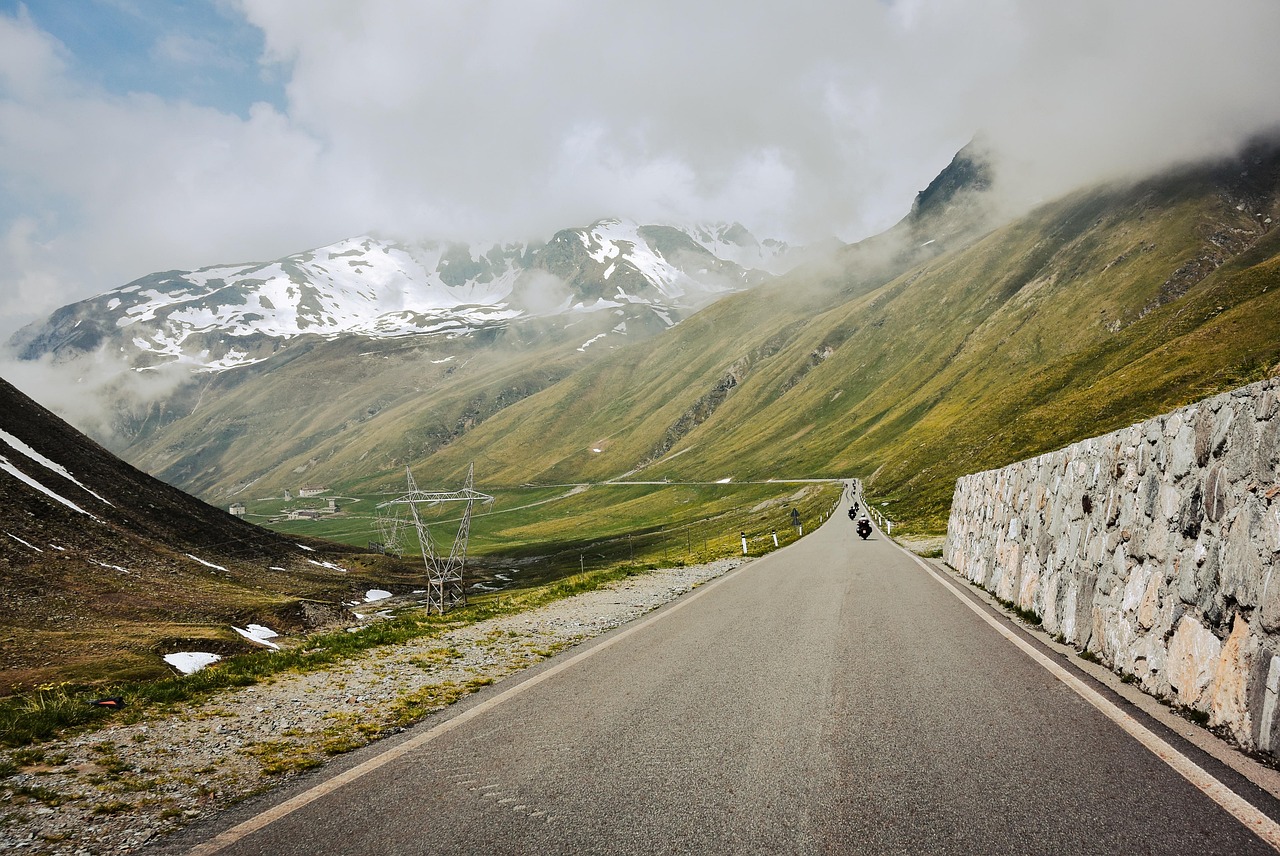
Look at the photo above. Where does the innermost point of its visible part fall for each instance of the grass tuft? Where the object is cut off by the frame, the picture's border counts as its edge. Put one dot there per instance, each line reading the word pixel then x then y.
pixel 1028 615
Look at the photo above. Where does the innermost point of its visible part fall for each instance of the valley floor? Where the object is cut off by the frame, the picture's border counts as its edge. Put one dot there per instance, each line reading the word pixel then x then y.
pixel 115 789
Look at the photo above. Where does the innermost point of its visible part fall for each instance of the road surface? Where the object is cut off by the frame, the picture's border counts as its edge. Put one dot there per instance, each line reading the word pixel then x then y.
pixel 832 697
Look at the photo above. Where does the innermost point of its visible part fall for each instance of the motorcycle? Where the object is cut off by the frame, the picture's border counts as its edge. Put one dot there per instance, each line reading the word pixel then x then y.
pixel 864 528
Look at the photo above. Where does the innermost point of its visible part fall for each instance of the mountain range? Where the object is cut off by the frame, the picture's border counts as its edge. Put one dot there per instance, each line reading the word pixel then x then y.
pixel 951 343
pixel 231 316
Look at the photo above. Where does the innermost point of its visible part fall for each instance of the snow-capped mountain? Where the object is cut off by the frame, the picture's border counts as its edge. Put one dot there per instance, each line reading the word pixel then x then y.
pixel 226 316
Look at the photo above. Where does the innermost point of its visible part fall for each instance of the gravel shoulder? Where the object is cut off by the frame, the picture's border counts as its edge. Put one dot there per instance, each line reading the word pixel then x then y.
pixel 115 789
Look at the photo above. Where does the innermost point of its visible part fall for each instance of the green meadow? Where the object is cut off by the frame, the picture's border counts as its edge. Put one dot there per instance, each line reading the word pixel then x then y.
pixel 530 535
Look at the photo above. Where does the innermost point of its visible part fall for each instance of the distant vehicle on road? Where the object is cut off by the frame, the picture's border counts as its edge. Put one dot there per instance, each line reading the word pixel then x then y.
pixel 864 528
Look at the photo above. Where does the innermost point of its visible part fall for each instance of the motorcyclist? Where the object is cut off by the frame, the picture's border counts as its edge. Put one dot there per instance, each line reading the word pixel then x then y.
pixel 864 527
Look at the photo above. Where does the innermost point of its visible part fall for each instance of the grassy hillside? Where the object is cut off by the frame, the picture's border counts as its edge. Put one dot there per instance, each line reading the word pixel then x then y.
pixel 908 360
pixel 329 409
pixel 341 411
pixel 1090 313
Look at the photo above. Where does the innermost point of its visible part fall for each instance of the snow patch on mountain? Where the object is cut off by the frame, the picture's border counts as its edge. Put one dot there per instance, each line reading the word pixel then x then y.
pixel 8 467
pixel 357 286
pixel 53 466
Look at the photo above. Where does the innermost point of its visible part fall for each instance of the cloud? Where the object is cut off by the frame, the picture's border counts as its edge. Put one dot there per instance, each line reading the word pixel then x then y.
pixel 505 120
pixel 541 293
pixel 104 398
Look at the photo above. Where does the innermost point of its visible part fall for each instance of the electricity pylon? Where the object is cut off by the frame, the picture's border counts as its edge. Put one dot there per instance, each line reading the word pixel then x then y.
pixel 391 531
pixel 445 588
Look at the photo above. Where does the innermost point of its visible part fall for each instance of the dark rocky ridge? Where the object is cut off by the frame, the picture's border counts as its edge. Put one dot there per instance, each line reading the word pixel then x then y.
pixel 106 590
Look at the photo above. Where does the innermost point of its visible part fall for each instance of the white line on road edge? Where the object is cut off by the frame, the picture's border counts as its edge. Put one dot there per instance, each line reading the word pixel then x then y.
pixel 1257 822
pixel 225 839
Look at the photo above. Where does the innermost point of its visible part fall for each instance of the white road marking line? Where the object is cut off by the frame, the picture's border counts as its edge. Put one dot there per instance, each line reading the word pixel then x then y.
pixel 225 839
pixel 1253 819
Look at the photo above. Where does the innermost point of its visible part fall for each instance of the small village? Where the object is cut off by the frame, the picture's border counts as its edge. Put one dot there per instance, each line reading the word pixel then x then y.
pixel 310 512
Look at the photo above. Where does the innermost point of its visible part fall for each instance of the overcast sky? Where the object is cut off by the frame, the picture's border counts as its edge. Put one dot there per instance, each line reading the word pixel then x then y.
pixel 144 135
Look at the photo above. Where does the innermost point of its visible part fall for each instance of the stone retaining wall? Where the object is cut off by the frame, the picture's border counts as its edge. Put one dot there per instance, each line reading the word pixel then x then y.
pixel 1153 547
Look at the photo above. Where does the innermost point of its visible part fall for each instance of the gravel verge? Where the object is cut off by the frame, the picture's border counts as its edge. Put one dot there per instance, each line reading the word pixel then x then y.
pixel 115 789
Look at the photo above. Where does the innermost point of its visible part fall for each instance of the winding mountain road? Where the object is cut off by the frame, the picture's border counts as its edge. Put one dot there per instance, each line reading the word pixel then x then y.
pixel 833 697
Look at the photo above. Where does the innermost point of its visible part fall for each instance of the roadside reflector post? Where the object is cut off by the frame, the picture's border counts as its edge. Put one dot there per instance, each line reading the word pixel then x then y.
pixel 744 543
pixel 775 537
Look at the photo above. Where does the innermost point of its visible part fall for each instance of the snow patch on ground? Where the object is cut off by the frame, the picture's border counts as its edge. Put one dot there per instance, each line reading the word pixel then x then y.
pixel 190 662
pixel 592 341
pixel 26 479
pixel 260 634
pixel 207 564
pixel 19 446
pixel 376 594
pixel 24 543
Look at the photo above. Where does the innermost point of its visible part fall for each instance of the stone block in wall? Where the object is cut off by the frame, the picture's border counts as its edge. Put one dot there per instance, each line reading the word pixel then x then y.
pixel 1267 465
pixel 1186 576
pixel 1182 452
pixel 1204 438
pixel 1242 553
pixel 1192 660
pixel 1239 459
pixel 1228 690
pixel 1215 494
pixel 1265 697
pixel 1223 420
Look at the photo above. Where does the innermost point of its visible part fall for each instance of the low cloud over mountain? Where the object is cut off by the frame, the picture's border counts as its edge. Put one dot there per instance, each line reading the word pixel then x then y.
pixel 410 118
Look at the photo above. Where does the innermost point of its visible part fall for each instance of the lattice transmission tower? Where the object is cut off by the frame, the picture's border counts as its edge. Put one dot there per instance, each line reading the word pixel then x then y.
pixel 445 588
pixel 393 528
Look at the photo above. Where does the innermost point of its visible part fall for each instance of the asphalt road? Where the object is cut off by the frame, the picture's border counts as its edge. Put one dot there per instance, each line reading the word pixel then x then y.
pixel 832 697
